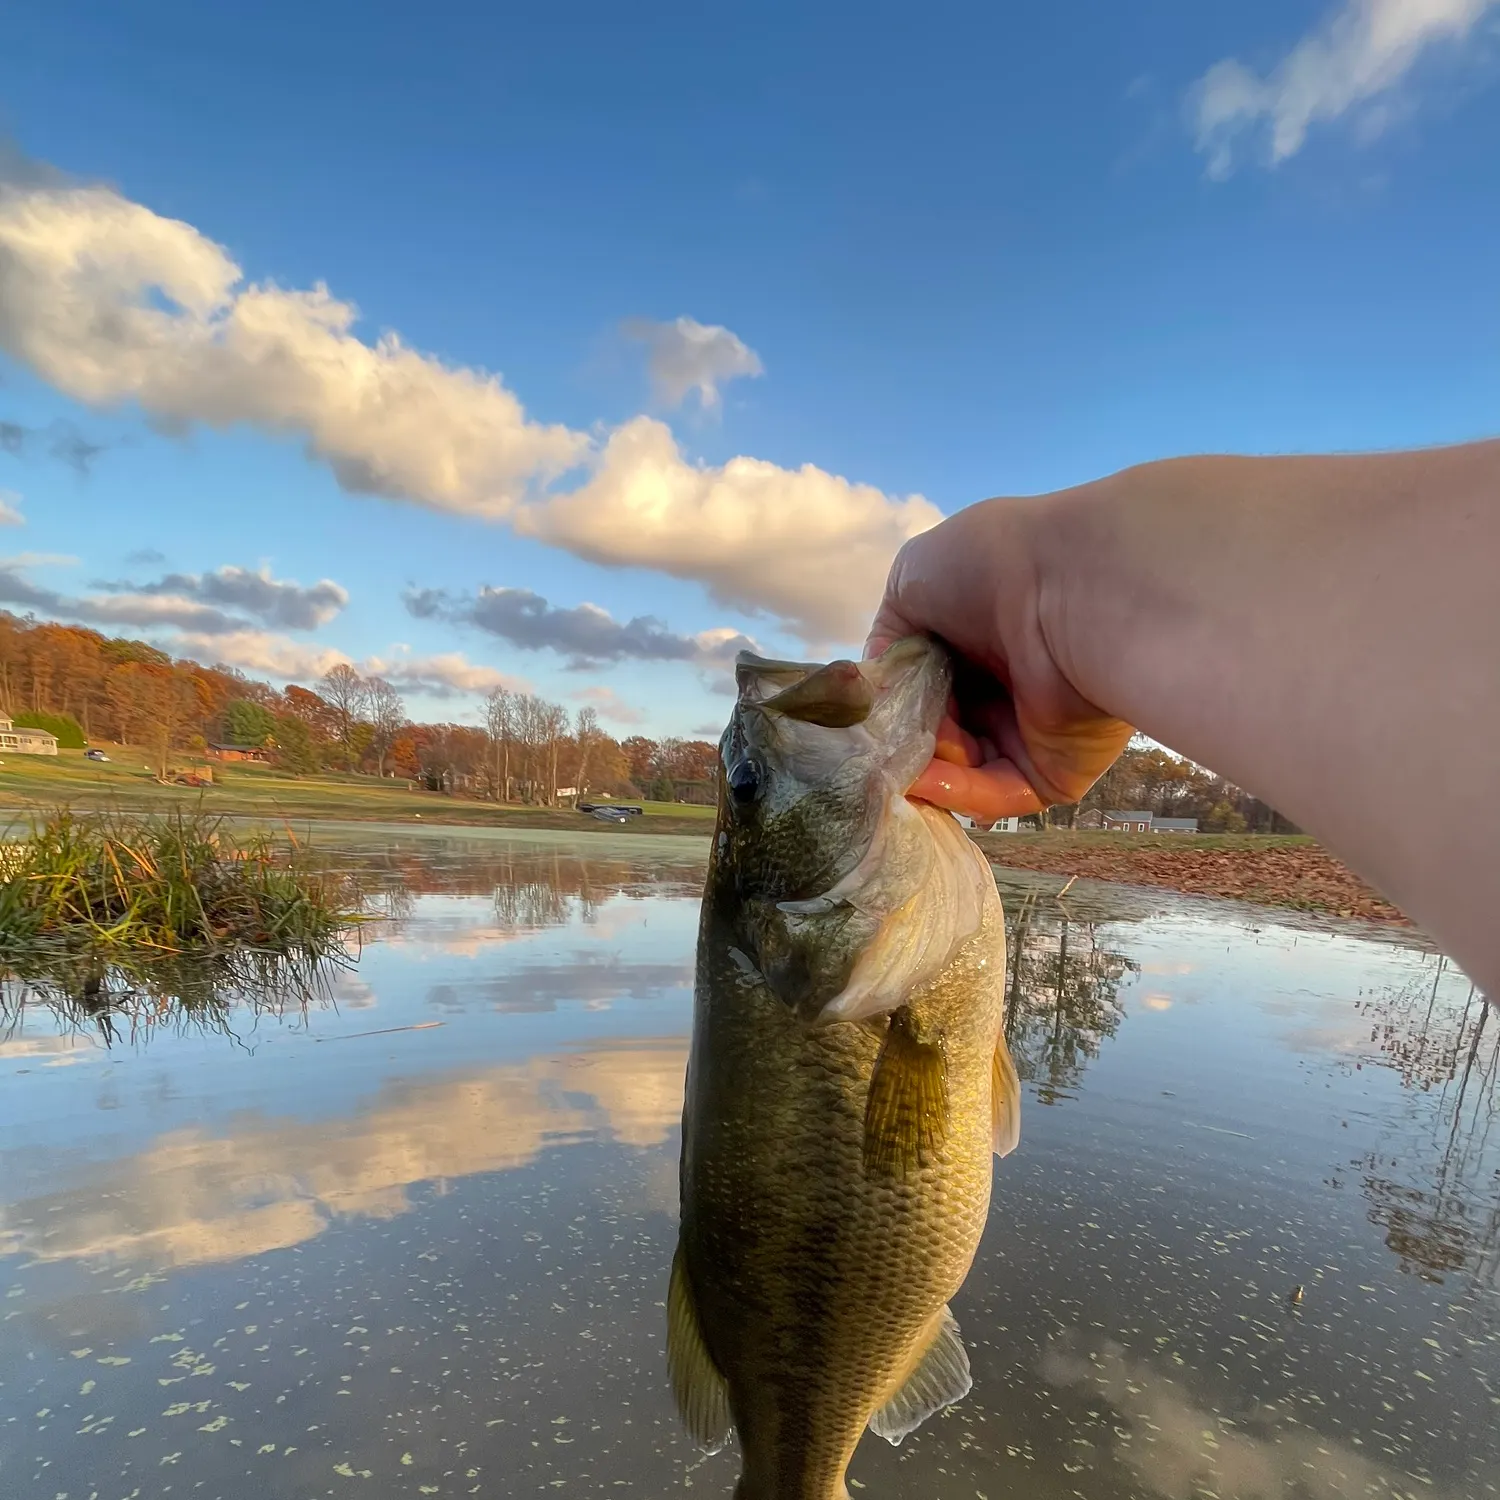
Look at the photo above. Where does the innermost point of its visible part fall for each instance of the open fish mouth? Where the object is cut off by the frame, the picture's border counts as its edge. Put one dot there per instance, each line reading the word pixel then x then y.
pixel 898 697
pixel 914 889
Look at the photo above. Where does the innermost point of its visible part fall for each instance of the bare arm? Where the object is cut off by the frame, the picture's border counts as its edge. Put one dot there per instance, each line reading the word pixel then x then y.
pixel 1325 631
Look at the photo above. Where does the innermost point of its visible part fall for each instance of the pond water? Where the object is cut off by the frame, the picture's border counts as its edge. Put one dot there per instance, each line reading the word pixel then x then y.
pixel 415 1241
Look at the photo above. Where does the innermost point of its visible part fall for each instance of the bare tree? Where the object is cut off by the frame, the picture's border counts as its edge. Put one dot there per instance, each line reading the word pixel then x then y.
pixel 530 739
pixel 387 716
pixel 586 731
pixel 348 695
pixel 554 727
pixel 500 726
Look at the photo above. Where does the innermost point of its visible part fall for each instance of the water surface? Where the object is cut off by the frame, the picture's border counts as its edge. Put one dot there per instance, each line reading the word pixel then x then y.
pixel 414 1241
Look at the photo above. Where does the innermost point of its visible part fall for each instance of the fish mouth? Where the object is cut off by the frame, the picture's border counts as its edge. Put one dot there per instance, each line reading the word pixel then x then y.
pixel 842 694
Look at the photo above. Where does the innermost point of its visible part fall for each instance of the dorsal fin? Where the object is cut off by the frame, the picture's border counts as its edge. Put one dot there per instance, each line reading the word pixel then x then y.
pixel 700 1391
pixel 940 1378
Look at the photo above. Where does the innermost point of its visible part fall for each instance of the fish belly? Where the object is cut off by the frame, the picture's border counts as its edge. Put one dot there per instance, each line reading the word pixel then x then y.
pixel 818 1282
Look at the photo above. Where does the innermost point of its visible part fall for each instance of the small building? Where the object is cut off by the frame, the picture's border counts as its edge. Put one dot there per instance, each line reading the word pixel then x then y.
pixel 237 752
pixel 1174 825
pixel 1000 825
pixel 1128 822
pixel 25 741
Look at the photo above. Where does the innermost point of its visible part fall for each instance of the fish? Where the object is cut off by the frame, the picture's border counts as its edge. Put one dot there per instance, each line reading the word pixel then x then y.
pixel 848 1082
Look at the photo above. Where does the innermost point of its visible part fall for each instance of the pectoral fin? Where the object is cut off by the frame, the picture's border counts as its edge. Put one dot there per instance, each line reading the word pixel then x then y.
pixel 700 1391
pixel 940 1378
pixel 1005 1101
pixel 906 1114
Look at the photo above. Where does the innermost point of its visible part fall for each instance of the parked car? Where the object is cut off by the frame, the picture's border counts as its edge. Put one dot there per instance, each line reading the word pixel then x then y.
pixel 610 814
pixel 94 755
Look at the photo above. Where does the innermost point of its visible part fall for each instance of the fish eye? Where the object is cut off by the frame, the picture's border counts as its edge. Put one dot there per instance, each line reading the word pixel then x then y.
pixel 745 779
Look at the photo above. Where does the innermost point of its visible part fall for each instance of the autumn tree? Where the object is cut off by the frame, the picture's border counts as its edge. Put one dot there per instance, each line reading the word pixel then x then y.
pixel 640 758
pixel 166 705
pixel 317 714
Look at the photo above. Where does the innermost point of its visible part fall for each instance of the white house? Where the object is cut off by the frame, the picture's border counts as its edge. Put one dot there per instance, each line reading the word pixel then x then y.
pixel 1001 825
pixel 25 741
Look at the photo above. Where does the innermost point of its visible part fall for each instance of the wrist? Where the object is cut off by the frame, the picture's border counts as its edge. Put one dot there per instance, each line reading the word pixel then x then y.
pixel 1093 597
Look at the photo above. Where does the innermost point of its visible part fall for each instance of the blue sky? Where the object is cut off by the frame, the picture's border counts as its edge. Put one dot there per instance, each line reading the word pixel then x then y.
pixel 970 250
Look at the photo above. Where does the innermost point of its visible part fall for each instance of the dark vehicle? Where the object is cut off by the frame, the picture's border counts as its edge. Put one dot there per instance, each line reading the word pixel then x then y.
pixel 610 807
pixel 610 814
pixel 94 755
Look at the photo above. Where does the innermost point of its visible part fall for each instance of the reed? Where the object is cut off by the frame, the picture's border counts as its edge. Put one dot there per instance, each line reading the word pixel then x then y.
pixel 99 909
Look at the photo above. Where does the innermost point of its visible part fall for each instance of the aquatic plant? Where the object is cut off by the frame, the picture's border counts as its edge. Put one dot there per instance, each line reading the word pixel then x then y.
pixel 169 909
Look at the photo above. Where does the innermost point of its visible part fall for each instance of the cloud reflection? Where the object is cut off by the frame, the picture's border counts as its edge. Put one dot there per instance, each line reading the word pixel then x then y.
pixel 1182 1449
pixel 194 1197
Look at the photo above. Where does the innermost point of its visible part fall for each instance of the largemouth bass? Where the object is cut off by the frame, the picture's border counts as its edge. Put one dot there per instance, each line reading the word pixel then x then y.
pixel 848 1080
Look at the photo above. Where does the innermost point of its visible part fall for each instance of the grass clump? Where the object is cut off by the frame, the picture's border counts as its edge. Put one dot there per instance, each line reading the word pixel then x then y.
pixel 168 909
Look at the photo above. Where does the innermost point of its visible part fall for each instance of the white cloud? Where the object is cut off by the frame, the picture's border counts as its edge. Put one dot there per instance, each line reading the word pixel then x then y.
pixel 112 303
pixel 802 544
pixel 686 355
pixel 10 509
pixel 441 676
pixel 1361 52
pixel 610 705
pixel 259 651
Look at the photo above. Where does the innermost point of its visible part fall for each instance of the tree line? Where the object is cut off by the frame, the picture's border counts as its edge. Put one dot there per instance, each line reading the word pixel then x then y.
pixel 85 686
pixel 1150 779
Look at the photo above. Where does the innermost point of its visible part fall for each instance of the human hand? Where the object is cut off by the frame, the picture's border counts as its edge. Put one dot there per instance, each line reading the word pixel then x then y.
pixel 1019 735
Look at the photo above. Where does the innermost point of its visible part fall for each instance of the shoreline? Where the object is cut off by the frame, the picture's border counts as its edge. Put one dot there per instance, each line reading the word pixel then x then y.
pixel 1291 873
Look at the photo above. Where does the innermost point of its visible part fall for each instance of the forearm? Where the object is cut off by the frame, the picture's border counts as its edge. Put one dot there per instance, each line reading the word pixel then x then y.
pixel 1324 631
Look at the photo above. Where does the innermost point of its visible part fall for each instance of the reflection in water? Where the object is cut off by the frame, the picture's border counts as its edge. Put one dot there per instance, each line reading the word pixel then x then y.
pixel 1433 1189
pixel 313 1263
pixel 1159 1428
pixel 594 980
pixel 1062 995
pixel 533 887
pixel 195 1196
pixel 130 1002
pixel 531 890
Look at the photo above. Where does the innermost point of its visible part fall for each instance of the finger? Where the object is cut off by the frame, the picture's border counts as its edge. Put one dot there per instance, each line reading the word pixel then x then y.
pixel 956 745
pixel 889 625
pixel 984 793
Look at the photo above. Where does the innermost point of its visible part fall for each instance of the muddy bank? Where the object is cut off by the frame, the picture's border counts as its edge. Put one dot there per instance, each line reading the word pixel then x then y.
pixel 1272 871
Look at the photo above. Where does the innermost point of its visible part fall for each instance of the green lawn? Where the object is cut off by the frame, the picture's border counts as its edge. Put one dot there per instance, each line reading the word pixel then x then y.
pixel 125 781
